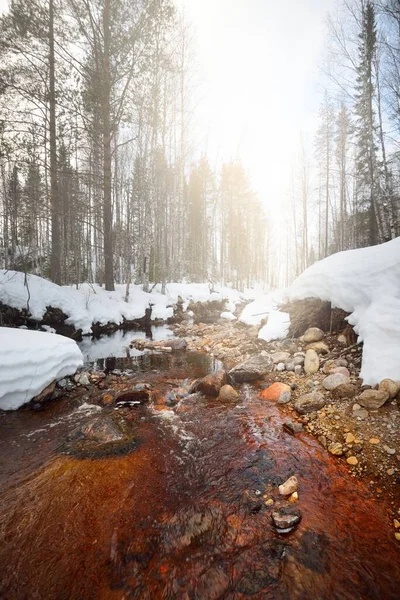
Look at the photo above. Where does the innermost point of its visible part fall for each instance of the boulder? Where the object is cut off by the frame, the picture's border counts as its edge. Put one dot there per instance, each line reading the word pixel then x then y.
pixel 373 399
pixel 252 369
pixel 311 362
pixel 390 386
pixel 343 370
pixel 333 381
pixel 309 403
pixel 274 391
pixel 314 334
pixel 228 394
pixel 211 384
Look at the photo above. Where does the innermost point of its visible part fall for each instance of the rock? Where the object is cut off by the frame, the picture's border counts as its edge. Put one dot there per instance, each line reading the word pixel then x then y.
pixel 309 403
pixel 252 369
pixel 274 391
pixel 280 367
pixel 333 381
pixel 345 390
pixel 290 486
pixel 62 384
pixel 82 379
pixel 342 339
pixel 352 460
pixel 389 450
pixel 374 441
pixel 294 497
pixel 390 386
pixel 211 384
pixel 373 399
pixel 314 334
pixel 280 357
pixel 350 439
pixel 319 347
pixel 311 362
pixel 176 344
pixel 356 406
pixel 360 414
pixel 298 370
pixel 342 370
pixel 336 449
pixel 293 427
pixel 298 360
pixel 46 393
pixel 137 395
pixel 331 365
pixel 286 519
pixel 107 399
pixel 228 394
pixel 285 398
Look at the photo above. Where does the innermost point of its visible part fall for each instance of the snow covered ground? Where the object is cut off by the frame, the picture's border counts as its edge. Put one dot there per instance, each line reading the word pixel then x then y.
pixel 30 361
pixel 365 283
pixel 92 304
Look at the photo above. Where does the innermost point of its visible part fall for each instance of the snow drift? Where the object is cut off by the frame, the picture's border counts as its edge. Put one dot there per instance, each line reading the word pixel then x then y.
pixel 30 361
pixel 91 303
pixel 365 283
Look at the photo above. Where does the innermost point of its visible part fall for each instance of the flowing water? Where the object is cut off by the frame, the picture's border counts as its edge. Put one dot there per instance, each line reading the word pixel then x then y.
pixel 183 515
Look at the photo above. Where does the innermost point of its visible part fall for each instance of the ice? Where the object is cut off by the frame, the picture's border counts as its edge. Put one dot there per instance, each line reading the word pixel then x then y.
pixel 30 361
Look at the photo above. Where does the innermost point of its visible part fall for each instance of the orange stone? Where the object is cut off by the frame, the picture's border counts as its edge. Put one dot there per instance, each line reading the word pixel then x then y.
pixel 274 391
pixel 108 399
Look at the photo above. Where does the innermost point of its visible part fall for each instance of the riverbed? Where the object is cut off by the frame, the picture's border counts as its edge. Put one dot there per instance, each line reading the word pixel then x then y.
pixel 186 513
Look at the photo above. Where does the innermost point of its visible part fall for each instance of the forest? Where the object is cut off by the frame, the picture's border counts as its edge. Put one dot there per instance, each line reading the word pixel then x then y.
pixel 103 179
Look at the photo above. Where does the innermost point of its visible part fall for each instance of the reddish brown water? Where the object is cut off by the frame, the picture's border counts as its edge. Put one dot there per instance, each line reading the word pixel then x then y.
pixel 179 517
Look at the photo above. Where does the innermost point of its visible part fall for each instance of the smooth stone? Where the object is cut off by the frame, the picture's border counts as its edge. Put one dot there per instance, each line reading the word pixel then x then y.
pixel 345 390
pixel 285 398
pixel 373 399
pixel 390 386
pixel 228 394
pixel 333 381
pixel 352 460
pixel 293 427
pixel 309 403
pixel 274 391
pixel 210 385
pixel 280 367
pixel 311 362
pixel 313 334
pixel 290 486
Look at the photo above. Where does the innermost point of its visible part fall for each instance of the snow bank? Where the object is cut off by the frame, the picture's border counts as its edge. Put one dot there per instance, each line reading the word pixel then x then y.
pixel 365 283
pixel 276 328
pixel 266 305
pixel 92 304
pixel 30 361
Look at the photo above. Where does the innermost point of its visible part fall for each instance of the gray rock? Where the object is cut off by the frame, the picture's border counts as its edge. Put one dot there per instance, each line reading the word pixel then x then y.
pixel 286 519
pixel 373 399
pixel 293 427
pixel 309 402
pixel 252 369
pixel 298 360
pixel 280 367
pixel 333 381
pixel 314 334
pixel 284 398
pixel 280 357
pixel 311 362
pixel 298 370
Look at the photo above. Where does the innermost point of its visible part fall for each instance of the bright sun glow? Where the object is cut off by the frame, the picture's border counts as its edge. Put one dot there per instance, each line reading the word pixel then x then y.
pixel 258 61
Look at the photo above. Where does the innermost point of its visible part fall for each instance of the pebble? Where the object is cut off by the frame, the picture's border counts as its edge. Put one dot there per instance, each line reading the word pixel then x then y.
pixel 280 367
pixel 396 524
pixel 298 370
pixel 336 449
pixel 269 502
pixel 289 487
pixel 285 519
pixel 313 334
pixel 333 381
pixel 350 439
pixel 352 460
pixel 374 441
pixel 397 536
pixel 390 471
pixel 389 450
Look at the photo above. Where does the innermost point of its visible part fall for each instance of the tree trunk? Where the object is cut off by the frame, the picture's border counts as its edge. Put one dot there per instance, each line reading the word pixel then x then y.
pixel 55 217
pixel 107 195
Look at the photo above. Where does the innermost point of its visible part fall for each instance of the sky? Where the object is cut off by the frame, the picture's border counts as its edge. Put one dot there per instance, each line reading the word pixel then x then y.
pixel 258 61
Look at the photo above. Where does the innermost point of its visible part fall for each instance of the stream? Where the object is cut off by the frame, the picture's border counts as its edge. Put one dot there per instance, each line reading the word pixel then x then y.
pixel 182 515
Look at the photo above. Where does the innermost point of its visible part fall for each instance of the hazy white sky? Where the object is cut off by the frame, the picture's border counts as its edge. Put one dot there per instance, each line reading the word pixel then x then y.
pixel 259 63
